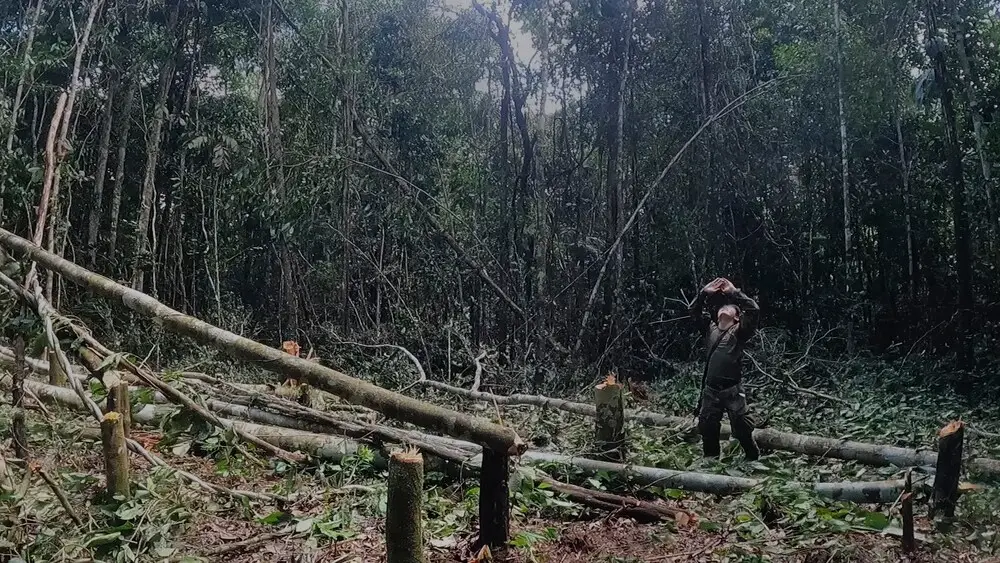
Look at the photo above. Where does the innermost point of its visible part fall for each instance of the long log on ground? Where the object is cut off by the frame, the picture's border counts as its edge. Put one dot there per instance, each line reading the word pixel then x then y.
pixel 41 367
pixel 767 438
pixel 356 391
pixel 334 448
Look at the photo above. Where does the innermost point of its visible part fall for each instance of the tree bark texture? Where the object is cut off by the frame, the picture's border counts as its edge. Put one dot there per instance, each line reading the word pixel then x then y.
pixel 494 499
pixel 609 422
pixel 404 534
pixel 124 127
pixel 100 174
pixel 119 402
pixel 949 468
pixel 143 251
pixel 18 428
pixel 115 455
pixel 906 514
pixel 960 219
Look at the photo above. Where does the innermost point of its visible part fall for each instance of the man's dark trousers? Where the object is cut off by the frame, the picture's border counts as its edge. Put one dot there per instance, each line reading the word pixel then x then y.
pixel 731 400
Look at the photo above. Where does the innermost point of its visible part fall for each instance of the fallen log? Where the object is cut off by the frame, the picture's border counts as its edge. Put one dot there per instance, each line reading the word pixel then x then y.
pixel 639 510
pixel 356 391
pixel 767 438
pixel 41 367
pixel 334 448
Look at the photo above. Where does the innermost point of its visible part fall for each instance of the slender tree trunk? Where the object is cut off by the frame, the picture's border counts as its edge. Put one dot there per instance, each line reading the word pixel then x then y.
pixel 15 113
pixel 618 15
pixel 143 252
pixel 904 170
pixel 969 86
pixel 103 150
pixel 845 179
pixel 960 220
pixel 347 122
pixel 118 180
pixel 275 165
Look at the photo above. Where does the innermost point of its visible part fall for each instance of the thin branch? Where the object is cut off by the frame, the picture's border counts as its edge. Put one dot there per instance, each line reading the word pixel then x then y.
pixel 791 384
pixel 61 496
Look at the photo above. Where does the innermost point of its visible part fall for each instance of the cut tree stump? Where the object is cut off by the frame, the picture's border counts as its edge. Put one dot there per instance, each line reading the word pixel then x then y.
pixel 949 469
pixel 18 428
pixel 115 455
pixel 119 402
pixel 404 536
pixel 906 511
pixel 494 499
pixel 56 374
pixel 609 424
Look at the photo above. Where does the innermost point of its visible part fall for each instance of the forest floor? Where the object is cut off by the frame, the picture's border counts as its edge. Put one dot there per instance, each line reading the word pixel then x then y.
pixel 335 513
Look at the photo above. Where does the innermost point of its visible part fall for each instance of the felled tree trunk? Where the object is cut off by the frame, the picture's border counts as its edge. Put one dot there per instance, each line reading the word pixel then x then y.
pixel 390 404
pixel 334 448
pixel 404 535
pixel 767 438
pixel 115 455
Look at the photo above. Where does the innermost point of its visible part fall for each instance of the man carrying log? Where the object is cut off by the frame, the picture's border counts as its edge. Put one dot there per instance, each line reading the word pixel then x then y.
pixel 733 321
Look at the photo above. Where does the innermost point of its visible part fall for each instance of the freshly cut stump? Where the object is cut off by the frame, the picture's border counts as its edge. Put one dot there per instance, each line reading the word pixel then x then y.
pixel 609 425
pixel 494 500
pixel 949 468
pixel 56 374
pixel 120 402
pixel 115 455
pixel 404 532
pixel 906 502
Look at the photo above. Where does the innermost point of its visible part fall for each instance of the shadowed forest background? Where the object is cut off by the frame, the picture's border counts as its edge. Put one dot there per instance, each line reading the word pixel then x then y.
pixel 415 172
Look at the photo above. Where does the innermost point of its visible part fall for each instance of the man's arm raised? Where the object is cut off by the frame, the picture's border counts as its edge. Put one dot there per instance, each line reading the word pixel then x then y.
pixel 749 312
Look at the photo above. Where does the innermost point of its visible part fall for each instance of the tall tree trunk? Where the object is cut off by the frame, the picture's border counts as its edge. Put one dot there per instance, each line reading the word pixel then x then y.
pixel 103 150
pixel 960 221
pixel 15 113
pixel 143 252
pixel 904 171
pixel 347 123
pixel 969 85
pixel 118 181
pixel 617 13
pixel 275 169
pixel 845 179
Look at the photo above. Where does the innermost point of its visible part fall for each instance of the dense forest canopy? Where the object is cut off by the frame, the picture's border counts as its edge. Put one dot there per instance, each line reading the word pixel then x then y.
pixel 552 179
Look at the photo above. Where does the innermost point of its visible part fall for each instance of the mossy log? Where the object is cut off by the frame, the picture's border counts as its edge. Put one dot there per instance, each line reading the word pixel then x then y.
pixel 115 455
pixel 404 532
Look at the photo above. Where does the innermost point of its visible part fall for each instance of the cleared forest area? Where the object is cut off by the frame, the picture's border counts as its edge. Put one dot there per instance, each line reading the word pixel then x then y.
pixel 425 280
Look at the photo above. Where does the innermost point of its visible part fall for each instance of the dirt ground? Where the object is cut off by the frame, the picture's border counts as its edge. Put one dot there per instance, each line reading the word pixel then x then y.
pixel 610 541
